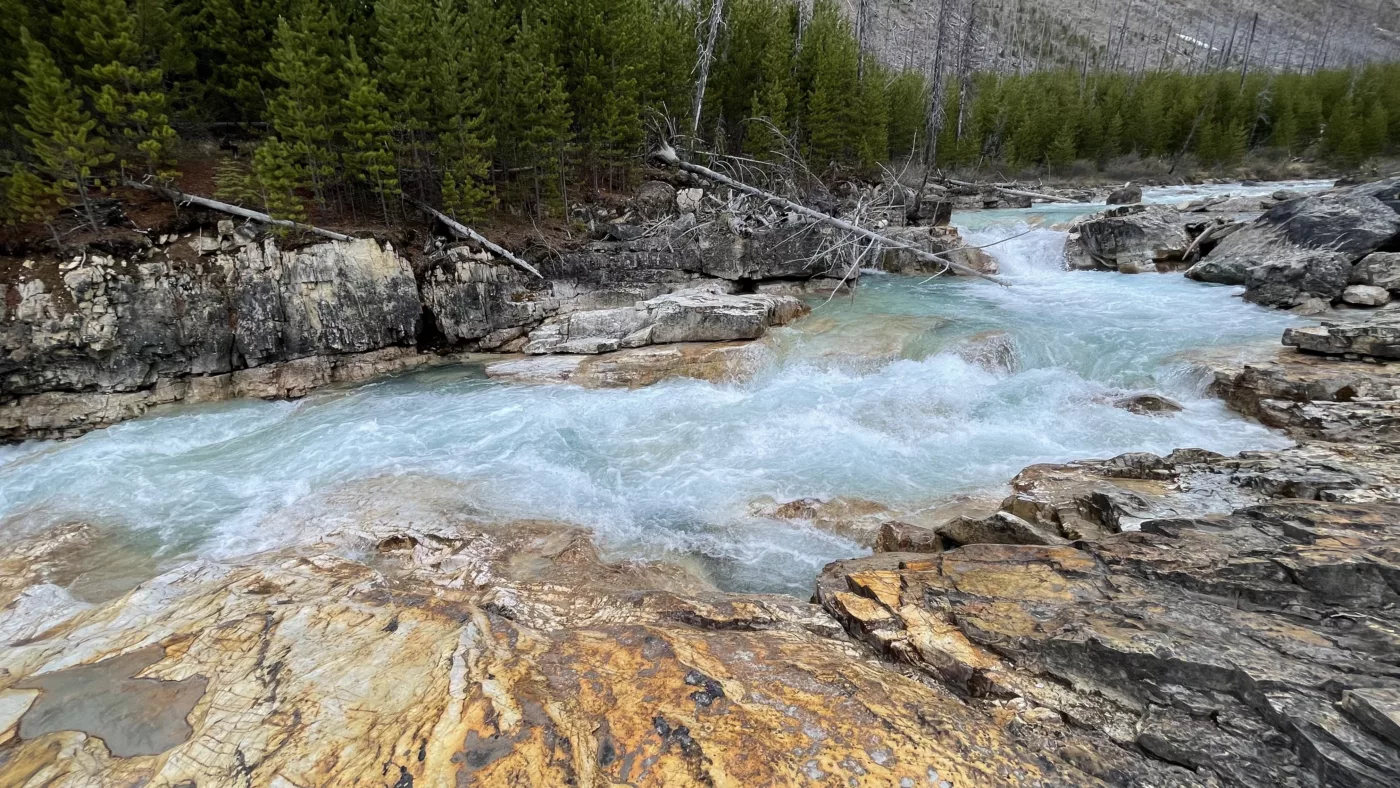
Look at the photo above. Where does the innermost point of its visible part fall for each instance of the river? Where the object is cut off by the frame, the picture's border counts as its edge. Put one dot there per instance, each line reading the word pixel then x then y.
pixel 864 398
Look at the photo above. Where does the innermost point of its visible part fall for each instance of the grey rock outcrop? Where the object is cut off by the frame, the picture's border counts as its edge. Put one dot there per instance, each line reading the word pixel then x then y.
pixel 1378 269
pixel 1126 195
pixel 693 316
pixel 1304 249
pixel 1129 239
pixel 1366 295
pixel 1378 337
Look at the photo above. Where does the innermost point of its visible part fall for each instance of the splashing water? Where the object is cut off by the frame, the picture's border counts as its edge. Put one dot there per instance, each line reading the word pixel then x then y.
pixel 867 398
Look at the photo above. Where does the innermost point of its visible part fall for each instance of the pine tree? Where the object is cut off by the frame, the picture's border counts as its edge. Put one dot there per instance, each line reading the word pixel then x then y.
pixel 129 96
pixel 62 136
pixel 230 41
pixel 1375 130
pixel 278 174
pixel 829 71
pixel 369 155
pixel 407 43
pixel 1062 151
pixel 1341 140
pixel 535 116
pixel 25 197
pixel 307 62
pixel 462 144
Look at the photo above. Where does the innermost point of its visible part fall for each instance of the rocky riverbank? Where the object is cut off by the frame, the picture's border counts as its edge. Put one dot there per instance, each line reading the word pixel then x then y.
pixel 1183 620
pixel 1186 620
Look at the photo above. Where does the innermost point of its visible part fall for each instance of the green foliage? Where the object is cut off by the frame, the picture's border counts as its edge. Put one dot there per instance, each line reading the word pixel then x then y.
pixel 369 155
pixel 308 62
pixel 61 134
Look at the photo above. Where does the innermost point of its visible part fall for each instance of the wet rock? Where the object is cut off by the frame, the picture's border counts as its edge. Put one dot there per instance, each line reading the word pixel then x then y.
pixel 716 362
pixel 1000 528
pixel 492 655
pixel 994 351
pixel 944 240
pixel 1366 295
pixel 691 316
pixel 897 537
pixel 1306 247
pixel 1146 404
pixel 854 518
pixel 1379 269
pixel 1125 195
pixel 1130 239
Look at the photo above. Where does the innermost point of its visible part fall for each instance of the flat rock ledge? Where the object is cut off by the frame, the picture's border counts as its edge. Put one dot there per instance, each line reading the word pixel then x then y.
pixel 691 316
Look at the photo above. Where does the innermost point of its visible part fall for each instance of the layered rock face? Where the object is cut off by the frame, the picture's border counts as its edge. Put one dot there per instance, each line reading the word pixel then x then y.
pixel 104 337
pixel 99 339
pixel 1305 251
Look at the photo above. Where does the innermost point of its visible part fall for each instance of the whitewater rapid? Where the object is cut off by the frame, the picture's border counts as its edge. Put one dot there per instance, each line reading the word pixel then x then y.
pixel 864 398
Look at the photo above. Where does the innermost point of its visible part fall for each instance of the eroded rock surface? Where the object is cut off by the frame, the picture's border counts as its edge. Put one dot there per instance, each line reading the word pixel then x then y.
pixel 1129 239
pixel 458 653
pixel 1305 248
pixel 692 316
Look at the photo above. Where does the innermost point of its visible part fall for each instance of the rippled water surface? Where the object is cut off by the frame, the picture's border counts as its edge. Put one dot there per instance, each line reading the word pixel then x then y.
pixel 865 398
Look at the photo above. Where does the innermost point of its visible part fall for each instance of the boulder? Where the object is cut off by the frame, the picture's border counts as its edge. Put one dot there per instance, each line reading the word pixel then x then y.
pixel 1146 404
pixel 1305 248
pixel 1366 295
pixel 1290 281
pixel 654 199
pixel 994 351
pixel 689 316
pixel 690 200
pixel 1125 195
pixel 636 367
pixel 1380 269
pixel 937 240
pixel 1129 238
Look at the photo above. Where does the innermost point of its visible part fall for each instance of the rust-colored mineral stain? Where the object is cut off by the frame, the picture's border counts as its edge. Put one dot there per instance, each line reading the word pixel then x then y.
pixel 132 716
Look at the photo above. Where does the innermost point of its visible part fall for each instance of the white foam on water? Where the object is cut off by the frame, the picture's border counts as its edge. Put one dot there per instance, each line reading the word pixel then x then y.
pixel 861 399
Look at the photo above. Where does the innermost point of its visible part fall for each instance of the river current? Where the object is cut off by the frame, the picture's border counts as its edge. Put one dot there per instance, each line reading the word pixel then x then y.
pixel 867 397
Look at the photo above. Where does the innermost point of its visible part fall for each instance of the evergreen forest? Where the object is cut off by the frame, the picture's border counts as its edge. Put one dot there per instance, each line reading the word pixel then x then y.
pixel 316 106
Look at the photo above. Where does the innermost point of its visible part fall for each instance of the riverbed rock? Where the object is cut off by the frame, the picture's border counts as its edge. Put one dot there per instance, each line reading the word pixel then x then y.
pixel 944 240
pixel 1306 248
pixel 1163 639
pixel 717 362
pixel 1146 404
pixel 1129 239
pixel 692 316
pixel 1125 195
pixel 1366 295
pixel 492 655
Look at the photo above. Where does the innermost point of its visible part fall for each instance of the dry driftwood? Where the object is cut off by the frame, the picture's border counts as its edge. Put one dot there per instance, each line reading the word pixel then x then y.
pixel 463 231
pixel 667 155
pixel 223 207
pixel 1210 233
pixel 1015 192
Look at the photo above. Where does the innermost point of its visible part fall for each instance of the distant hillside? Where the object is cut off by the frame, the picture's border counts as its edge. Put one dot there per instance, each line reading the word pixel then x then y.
pixel 1029 35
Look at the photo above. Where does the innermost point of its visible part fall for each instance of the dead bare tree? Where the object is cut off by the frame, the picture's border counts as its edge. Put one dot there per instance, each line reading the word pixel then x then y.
pixel 668 156
pixel 234 210
pixel 707 43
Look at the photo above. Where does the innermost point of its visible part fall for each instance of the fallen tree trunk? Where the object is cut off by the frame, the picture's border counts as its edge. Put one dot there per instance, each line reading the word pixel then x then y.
pixel 1014 192
pixel 667 155
pixel 1211 233
pixel 463 231
pixel 223 207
